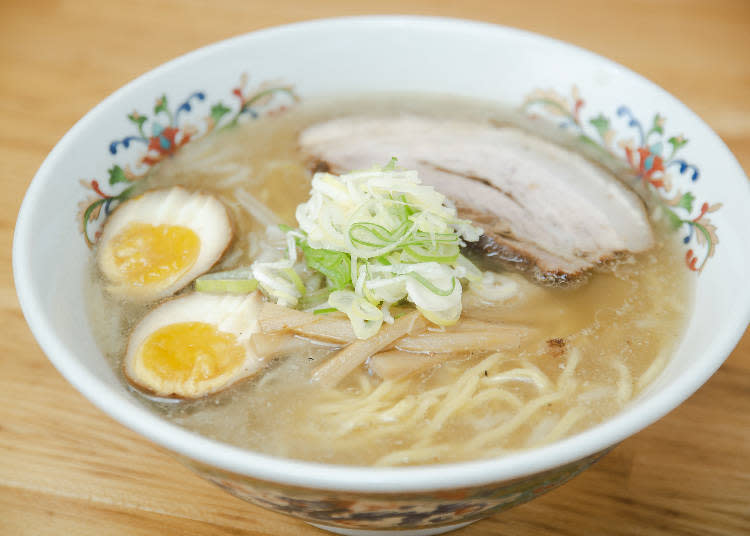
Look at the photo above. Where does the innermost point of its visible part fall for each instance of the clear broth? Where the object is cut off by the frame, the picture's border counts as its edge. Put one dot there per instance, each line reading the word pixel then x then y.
pixel 624 320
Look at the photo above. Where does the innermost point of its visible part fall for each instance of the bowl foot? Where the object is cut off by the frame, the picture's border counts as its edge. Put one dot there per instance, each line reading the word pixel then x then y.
pixel 399 532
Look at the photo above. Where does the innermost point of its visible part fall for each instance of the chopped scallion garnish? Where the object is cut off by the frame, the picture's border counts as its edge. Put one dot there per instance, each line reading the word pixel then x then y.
pixel 379 237
pixel 238 281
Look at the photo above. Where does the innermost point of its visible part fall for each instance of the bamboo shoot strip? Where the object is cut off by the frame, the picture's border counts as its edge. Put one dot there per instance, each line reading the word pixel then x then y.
pixel 466 336
pixel 395 364
pixel 470 324
pixel 499 338
pixel 275 317
pixel 273 344
pixel 347 359
pixel 332 327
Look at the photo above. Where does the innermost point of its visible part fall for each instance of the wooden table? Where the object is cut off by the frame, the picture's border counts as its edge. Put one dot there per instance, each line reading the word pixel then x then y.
pixel 66 468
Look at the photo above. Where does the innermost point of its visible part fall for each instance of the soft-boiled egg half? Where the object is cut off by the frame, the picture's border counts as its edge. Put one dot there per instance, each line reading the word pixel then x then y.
pixel 155 244
pixel 194 345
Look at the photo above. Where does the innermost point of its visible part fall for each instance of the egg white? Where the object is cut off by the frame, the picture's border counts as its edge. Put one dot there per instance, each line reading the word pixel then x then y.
pixel 236 315
pixel 205 215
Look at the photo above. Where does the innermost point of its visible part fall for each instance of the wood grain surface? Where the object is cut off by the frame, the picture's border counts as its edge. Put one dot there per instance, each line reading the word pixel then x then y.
pixel 66 468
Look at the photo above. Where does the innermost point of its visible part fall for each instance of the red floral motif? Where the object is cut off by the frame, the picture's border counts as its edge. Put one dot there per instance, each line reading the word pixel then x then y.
pixel 158 149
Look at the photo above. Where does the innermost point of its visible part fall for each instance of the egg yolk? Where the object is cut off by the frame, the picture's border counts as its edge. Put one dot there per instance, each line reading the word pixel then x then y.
pixel 146 254
pixel 190 352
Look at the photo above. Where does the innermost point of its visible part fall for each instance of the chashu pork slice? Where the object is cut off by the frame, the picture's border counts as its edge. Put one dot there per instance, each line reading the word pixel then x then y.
pixel 542 207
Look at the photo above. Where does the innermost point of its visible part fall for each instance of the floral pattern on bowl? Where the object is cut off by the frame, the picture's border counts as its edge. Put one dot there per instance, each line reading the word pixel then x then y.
pixel 645 157
pixel 163 133
pixel 648 158
pixel 392 511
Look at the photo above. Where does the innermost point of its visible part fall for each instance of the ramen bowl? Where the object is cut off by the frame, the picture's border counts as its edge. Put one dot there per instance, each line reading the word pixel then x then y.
pixel 623 114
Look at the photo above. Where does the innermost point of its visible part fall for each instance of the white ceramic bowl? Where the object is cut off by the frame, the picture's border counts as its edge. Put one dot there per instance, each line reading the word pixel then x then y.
pixel 543 77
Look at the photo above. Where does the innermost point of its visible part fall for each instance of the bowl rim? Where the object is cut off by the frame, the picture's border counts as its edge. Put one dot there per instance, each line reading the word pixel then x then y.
pixel 420 478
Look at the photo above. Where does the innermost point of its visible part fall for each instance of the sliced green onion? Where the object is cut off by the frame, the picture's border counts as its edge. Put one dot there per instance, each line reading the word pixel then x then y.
pixel 431 287
pixel 407 206
pixel 471 272
pixel 381 233
pixel 239 281
pixel 391 165
pixel 325 311
pixel 366 319
pixel 421 254
pixel 316 297
pixel 367 233
pixel 295 278
pixel 421 237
